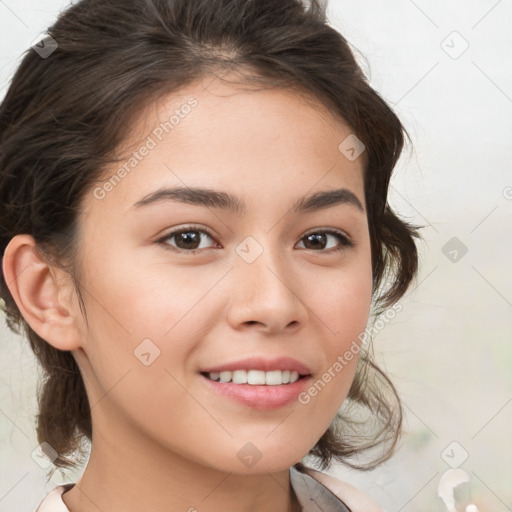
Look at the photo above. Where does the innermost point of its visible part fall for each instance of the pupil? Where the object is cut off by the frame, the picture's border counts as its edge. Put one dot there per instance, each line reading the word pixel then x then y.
pixel 189 237
pixel 318 237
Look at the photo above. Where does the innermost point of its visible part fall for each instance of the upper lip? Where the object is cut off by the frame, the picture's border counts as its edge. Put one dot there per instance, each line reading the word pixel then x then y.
pixel 261 363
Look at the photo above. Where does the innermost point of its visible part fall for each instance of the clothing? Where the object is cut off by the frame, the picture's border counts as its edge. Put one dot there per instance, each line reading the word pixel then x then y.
pixel 315 491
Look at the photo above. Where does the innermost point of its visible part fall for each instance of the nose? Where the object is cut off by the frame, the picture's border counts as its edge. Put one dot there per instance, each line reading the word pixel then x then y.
pixel 265 295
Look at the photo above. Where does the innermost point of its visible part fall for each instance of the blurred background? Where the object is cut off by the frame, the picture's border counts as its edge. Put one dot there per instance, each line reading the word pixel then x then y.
pixel 446 69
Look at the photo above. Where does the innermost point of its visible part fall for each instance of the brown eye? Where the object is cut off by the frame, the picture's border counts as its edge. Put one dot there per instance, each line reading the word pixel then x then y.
pixel 319 239
pixel 187 240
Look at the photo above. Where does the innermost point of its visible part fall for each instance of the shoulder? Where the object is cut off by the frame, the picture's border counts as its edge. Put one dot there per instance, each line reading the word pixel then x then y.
pixel 352 497
pixel 53 501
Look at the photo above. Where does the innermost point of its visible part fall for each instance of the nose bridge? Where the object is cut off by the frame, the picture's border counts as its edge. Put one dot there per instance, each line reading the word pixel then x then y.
pixel 265 288
pixel 261 262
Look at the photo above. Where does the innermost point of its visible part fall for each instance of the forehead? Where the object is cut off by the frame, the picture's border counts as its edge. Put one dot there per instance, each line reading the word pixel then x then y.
pixel 227 112
pixel 216 134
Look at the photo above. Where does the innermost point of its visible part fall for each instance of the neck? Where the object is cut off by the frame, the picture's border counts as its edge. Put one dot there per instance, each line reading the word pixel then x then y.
pixel 122 474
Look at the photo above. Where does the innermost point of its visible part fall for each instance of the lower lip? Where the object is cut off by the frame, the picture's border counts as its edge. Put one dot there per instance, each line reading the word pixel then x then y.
pixel 260 397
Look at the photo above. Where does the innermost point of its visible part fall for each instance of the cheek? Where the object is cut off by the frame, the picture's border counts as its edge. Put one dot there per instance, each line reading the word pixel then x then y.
pixel 147 318
pixel 145 298
pixel 344 306
pixel 140 334
pixel 344 300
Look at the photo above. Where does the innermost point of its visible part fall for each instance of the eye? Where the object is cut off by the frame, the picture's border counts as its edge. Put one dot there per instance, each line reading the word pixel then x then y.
pixel 188 240
pixel 318 239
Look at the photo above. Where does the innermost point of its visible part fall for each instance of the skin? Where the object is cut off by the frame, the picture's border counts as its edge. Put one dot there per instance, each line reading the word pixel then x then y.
pixel 162 439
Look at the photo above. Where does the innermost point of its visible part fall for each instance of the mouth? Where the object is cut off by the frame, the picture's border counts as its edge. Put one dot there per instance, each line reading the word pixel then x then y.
pixel 256 377
pixel 258 389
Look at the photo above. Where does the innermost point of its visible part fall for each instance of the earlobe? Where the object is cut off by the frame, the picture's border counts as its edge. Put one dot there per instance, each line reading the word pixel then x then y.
pixel 39 290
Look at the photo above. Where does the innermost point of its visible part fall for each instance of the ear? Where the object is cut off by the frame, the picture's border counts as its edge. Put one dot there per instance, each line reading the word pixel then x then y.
pixel 43 294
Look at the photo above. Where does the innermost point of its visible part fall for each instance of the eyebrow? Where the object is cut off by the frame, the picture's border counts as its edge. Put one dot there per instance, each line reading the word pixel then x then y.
pixel 223 200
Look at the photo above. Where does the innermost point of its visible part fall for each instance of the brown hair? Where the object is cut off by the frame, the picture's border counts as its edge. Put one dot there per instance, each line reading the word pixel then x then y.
pixel 64 116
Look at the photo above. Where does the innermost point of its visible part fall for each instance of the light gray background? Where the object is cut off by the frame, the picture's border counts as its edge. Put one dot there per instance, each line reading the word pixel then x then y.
pixel 449 350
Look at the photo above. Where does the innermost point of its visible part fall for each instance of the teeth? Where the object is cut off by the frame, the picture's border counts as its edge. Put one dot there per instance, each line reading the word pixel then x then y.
pixel 256 377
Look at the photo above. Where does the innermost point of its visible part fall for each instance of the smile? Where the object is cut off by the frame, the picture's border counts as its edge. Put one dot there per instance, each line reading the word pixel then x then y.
pixel 258 396
pixel 255 377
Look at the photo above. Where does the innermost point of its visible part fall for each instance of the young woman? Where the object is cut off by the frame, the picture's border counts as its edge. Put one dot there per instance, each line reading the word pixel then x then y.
pixel 194 235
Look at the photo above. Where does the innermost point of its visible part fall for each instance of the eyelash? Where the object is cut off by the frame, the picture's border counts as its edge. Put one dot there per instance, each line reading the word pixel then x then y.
pixel 346 242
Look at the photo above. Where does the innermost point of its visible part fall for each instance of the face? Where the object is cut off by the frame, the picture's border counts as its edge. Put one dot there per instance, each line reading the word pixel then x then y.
pixel 237 261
